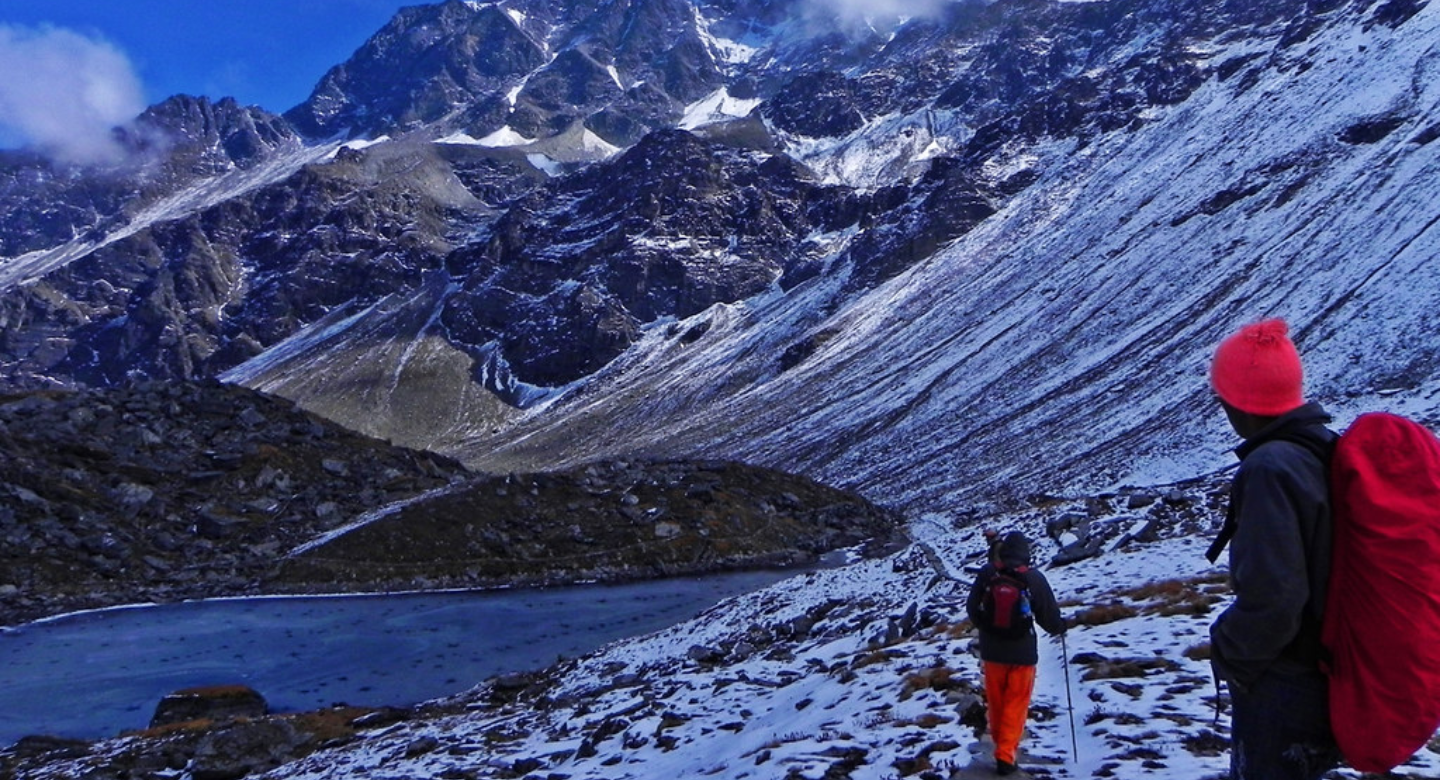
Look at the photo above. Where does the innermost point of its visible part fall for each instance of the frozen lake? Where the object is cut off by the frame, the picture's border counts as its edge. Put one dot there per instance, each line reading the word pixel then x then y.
pixel 91 675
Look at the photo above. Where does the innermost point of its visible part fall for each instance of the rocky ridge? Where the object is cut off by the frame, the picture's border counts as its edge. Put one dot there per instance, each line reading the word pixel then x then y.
pixel 604 522
pixel 159 492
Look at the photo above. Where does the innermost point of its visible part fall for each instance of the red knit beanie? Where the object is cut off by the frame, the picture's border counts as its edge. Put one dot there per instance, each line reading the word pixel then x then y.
pixel 1257 370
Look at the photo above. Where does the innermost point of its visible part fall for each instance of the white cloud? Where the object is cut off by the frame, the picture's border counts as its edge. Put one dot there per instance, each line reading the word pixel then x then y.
pixel 875 12
pixel 64 92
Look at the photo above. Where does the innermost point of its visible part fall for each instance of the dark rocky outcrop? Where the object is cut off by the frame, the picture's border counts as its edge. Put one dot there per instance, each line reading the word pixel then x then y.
pixel 604 522
pixel 212 703
pixel 157 492
pixel 566 278
pixel 818 105
pixel 240 748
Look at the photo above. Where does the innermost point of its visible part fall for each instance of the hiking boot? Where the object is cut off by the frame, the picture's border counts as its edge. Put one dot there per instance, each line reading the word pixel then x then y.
pixel 1005 768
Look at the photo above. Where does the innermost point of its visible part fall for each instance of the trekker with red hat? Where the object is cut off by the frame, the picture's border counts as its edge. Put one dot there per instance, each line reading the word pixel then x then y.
pixel 1266 645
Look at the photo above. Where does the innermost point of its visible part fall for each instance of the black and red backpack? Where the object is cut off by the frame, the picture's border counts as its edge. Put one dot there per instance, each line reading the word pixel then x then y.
pixel 1005 604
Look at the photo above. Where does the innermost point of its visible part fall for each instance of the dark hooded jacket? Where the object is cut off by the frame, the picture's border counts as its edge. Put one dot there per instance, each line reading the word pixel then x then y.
pixel 1014 554
pixel 1280 551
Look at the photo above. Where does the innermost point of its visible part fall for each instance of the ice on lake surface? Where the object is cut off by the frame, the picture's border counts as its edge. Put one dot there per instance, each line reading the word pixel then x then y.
pixel 91 675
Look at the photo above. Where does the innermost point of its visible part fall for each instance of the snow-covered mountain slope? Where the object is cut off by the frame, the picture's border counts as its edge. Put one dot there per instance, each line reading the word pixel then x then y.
pixel 1063 342
pixel 862 672
pixel 974 255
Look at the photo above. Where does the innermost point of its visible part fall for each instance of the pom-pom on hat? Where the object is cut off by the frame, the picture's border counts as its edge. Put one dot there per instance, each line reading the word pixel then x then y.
pixel 1257 370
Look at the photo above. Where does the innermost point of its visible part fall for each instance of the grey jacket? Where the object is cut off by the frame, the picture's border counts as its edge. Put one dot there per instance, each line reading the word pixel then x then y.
pixel 1280 551
pixel 1014 551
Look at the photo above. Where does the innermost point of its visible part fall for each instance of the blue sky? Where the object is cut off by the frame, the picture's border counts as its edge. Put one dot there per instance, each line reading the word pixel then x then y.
pixel 118 56
pixel 266 52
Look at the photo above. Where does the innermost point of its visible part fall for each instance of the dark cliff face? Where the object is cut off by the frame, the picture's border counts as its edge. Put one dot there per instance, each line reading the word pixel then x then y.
pixel 42 203
pixel 566 278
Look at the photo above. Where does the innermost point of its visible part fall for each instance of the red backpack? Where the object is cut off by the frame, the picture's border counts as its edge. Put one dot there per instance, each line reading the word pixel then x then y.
pixel 1382 614
pixel 1005 604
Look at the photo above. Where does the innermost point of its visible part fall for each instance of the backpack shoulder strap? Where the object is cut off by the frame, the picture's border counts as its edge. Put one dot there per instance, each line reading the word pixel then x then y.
pixel 1321 445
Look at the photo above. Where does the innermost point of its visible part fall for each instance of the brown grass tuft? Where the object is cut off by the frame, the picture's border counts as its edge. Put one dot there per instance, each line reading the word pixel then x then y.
pixel 1103 614
pixel 939 678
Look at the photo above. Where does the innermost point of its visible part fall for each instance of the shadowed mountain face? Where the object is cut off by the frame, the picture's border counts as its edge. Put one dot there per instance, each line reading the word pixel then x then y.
pixel 977 255
pixel 163 491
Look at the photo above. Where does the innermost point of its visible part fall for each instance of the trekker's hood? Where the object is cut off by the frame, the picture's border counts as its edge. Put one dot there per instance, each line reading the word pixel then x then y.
pixel 1310 419
pixel 1015 549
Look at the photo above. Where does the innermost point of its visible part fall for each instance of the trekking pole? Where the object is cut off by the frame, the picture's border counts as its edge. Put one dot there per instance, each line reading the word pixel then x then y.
pixel 1070 702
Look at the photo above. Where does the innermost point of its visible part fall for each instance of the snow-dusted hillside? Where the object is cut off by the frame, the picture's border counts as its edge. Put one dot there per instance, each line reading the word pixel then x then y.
pixel 860 672
pixel 1063 342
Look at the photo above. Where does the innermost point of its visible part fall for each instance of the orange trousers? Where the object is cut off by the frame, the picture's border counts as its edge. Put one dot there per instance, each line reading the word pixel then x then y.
pixel 1007 702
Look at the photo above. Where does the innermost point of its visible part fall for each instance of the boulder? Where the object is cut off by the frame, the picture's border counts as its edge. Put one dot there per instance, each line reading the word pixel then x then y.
pixel 212 703
pixel 1140 500
pixel 1079 551
pixel 241 748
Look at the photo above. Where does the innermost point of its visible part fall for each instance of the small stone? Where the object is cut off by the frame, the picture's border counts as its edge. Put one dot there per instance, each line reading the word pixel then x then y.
pixel 1177 498
pixel 421 746
pixel 1140 500
pixel 251 418
pixel 132 495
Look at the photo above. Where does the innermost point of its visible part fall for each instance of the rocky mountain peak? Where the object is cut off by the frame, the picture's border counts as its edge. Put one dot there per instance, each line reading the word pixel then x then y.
pixel 426 64
pixel 222 133
pixel 620 68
